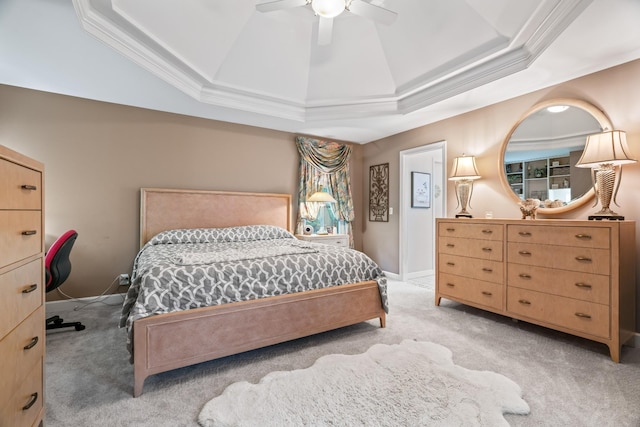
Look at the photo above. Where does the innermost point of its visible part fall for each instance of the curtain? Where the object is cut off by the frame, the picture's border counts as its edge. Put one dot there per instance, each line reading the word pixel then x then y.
pixel 325 164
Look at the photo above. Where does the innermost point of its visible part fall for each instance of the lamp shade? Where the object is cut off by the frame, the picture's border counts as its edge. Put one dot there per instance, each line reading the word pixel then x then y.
pixel 322 197
pixel 464 168
pixel 606 148
pixel 328 8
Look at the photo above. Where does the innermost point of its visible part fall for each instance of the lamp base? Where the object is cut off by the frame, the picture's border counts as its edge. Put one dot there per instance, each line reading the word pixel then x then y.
pixel 464 215
pixel 606 218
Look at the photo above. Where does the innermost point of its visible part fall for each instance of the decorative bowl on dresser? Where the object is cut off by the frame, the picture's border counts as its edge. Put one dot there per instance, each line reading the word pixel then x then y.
pixel 576 277
pixel 22 317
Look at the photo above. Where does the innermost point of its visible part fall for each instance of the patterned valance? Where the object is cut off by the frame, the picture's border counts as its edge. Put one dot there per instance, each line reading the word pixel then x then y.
pixel 325 164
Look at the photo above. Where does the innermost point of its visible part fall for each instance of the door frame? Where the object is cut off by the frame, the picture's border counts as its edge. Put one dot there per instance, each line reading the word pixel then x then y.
pixel 404 198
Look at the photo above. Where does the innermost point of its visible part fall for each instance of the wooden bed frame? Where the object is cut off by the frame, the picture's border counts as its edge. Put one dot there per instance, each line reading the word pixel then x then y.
pixel 174 340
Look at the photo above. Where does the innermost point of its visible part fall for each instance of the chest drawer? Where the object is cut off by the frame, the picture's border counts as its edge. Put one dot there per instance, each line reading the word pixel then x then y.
pixel 20 235
pixel 582 286
pixel 585 237
pixel 489 271
pixel 20 187
pixel 586 260
pixel 21 371
pixel 20 294
pixel 25 403
pixel 474 248
pixel 471 230
pixel 471 290
pixel 582 316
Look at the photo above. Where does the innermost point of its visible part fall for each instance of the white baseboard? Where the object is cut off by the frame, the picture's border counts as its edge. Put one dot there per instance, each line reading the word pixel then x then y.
pixel 392 276
pixel 635 342
pixel 422 273
pixel 76 303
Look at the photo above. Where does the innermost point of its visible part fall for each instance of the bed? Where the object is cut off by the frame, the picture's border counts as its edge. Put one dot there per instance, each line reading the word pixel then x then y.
pixel 160 341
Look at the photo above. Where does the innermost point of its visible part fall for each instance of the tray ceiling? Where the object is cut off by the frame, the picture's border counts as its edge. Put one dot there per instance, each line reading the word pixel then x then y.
pixel 437 59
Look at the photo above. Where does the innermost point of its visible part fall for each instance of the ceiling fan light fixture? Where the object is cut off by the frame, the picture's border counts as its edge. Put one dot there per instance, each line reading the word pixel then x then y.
pixel 328 8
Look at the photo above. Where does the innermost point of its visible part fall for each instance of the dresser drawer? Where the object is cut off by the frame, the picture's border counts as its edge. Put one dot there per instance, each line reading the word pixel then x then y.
pixel 21 371
pixel 21 406
pixel 582 286
pixel 581 316
pixel 471 290
pixel 20 187
pixel 584 237
pixel 489 271
pixel 21 294
pixel 474 248
pixel 471 230
pixel 20 235
pixel 586 260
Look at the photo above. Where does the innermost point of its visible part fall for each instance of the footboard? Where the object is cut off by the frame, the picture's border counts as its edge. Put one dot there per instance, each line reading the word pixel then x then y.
pixel 170 341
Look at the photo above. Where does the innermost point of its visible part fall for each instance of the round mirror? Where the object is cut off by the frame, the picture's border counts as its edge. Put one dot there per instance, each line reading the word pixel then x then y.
pixel 539 154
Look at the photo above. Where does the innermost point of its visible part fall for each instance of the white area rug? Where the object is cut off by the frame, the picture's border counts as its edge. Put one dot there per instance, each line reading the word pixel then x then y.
pixel 408 384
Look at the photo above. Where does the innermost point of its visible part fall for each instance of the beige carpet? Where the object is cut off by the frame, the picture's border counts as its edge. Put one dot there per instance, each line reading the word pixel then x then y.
pixel 567 381
pixel 408 384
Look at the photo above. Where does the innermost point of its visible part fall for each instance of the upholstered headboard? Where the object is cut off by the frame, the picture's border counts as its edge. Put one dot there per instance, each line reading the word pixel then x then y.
pixel 164 209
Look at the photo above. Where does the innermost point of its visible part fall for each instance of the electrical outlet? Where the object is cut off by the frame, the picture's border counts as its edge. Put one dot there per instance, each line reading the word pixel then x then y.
pixel 123 279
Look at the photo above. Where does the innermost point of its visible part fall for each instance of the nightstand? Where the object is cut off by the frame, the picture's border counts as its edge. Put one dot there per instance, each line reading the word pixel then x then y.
pixel 328 239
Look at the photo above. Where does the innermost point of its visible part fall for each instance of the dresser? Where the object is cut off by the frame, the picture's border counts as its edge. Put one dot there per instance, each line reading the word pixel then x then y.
pixel 577 277
pixel 327 239
pixel 22 316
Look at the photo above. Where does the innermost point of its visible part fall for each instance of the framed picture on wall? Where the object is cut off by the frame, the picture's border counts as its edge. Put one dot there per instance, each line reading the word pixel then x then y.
pixel 379 193
pixel 420 190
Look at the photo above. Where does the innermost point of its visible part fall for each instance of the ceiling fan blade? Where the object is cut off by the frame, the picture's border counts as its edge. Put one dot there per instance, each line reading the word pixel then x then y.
pixel 279 4
pixel 325 29
pixel 375 13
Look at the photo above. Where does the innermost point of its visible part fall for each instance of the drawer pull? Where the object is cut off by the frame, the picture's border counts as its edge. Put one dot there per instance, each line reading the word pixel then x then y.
pixel 28 187
pixel 487 293
pixel 524 276
pixel 451 263
pixel 524 302
pixel 583 259
pixel 487 249
pixel 451 230
pixel 524 253
pixel 32 344
pixel 583 315
pixel 30 289
pixel 29 232
pixel 32 400
pixel 451 245
pixel 524 233
pixel 583 285
pixel 451 285
pixel 583 236
pixel 487 231
pixel 487 270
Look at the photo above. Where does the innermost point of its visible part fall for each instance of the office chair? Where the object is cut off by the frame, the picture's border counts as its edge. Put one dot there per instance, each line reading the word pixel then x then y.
pixel 57 268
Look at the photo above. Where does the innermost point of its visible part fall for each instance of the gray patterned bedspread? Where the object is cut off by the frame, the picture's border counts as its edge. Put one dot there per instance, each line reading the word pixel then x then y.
pixel 190 268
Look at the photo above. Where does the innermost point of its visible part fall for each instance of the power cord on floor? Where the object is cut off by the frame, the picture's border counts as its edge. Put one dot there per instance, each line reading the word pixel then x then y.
pixel 96 300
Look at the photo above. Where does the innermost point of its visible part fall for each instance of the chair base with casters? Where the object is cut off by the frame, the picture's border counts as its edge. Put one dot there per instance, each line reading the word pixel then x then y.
pixel 57 268
pixel 56 322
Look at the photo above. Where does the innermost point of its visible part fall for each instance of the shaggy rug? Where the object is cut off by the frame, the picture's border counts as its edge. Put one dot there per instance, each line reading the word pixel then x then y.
pixel 409 384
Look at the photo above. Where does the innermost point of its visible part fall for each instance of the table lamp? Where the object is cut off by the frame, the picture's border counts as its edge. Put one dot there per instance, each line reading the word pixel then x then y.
pixel 321 198
pixel 605 153
pixel 464 172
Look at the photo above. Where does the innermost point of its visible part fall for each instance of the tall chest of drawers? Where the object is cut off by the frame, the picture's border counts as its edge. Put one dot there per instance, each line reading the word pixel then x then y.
pixel 22 317
pixel 574 276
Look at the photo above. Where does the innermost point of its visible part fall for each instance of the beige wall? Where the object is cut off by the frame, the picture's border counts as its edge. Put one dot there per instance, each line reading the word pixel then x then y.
pixel 98 155
pixel 615 91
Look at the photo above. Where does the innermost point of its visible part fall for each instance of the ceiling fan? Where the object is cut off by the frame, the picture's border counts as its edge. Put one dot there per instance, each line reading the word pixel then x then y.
pixel 329 9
